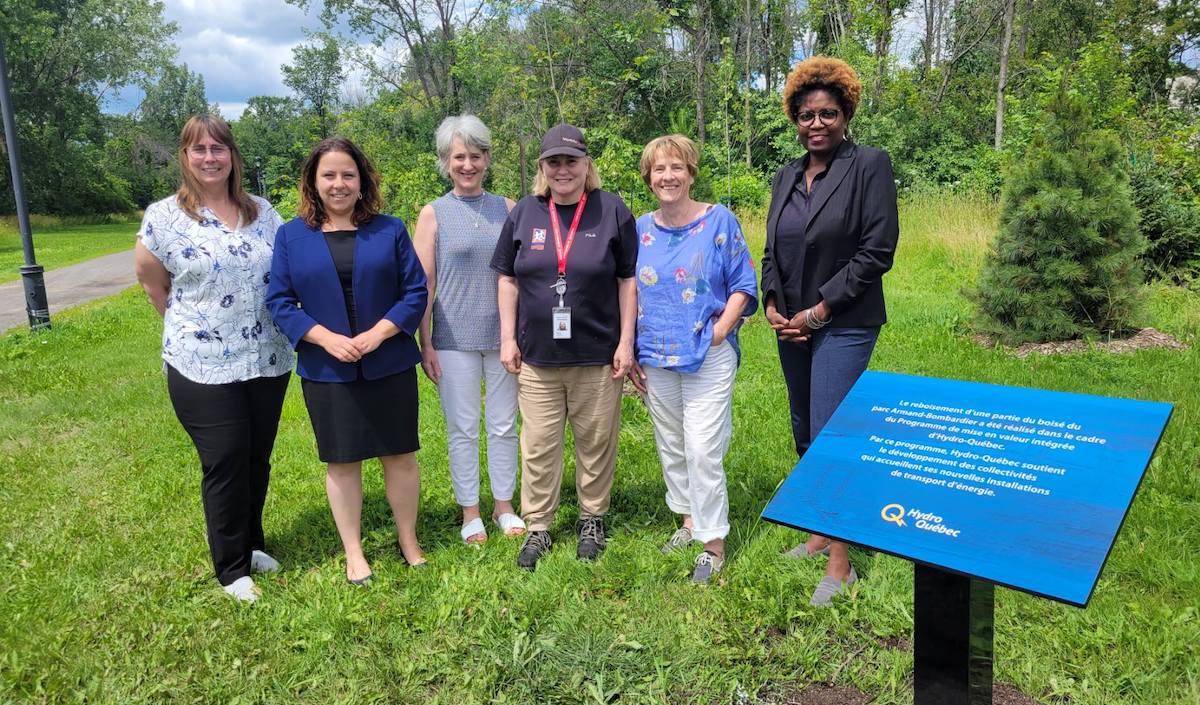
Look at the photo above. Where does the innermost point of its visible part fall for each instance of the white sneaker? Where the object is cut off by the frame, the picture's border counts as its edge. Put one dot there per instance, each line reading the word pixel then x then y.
pixel 243 589
pixel 261 562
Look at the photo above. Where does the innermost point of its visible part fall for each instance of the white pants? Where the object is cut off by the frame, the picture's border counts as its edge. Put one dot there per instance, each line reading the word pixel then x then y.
pixel 459 391
pixel 693 422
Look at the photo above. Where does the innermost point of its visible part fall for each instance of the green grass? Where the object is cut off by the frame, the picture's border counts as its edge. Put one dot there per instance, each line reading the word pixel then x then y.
pixel 58 243
pixel 108 596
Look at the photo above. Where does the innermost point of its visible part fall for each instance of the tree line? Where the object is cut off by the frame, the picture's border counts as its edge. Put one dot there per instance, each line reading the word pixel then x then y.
pixel 954 90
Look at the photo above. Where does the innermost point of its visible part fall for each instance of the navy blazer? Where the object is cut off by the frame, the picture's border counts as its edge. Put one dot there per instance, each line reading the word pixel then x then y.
pixel 850 239
pixel 388 282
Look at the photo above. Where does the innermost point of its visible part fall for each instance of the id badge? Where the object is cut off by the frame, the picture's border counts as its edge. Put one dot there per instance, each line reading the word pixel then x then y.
pixel 562 322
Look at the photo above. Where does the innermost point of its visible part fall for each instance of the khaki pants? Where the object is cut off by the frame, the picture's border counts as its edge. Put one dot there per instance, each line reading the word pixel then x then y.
pixel 591 399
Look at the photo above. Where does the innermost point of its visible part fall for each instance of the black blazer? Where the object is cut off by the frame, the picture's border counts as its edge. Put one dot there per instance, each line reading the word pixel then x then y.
pixel 850 239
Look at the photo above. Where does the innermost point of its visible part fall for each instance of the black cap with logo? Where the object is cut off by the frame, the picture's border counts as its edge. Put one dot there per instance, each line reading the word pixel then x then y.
pixel 563 139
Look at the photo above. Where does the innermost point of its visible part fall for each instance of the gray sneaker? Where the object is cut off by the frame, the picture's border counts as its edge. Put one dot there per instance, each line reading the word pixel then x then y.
pixel 801 551
pixel 536 545
pixel 591 539
pixel 829 588
pixel 680 539
pixel 708 564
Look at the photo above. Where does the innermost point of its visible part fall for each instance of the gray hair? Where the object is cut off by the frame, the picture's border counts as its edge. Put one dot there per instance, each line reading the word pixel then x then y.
pixel 467 128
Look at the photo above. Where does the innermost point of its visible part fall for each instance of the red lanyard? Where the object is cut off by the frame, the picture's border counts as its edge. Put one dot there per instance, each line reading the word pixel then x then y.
pixel 561 251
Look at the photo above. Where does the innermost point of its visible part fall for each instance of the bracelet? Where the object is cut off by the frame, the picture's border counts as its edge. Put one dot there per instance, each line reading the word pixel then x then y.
pixel 811 320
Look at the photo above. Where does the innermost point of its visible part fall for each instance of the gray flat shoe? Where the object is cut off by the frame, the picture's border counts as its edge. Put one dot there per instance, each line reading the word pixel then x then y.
pixel 829 587
pixel 708 564
pixel 801 551
pixel 680 539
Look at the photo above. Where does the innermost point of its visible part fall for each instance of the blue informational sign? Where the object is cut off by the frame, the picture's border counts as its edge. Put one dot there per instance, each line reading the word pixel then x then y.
pixel 1025 488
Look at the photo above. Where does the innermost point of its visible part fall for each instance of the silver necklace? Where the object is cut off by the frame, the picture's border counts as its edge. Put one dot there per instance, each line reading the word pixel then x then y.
pixel 476 211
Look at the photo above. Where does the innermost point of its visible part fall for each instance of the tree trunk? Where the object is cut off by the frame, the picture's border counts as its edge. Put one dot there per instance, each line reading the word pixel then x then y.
pixel 929 34
pixel 883 40
pixel 1026 13
pixel 524 166
pixel 749 22
pixel 1002 83
pixel 700 57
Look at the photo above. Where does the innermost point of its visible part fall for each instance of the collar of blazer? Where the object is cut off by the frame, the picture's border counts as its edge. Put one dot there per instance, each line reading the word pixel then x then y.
pixel 843 159
pixel 373 225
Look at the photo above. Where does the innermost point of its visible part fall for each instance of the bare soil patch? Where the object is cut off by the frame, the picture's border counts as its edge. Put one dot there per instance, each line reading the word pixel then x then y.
pixel 1005 694
pixel 814 694
pixel 1143 339
pixel 826 694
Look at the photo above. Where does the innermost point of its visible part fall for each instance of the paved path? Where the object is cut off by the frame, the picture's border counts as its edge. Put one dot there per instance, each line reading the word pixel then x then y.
pixel 69 286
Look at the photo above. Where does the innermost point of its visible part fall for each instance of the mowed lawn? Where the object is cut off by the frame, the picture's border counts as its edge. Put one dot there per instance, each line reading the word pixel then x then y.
pixel 58 245
pixel 108 597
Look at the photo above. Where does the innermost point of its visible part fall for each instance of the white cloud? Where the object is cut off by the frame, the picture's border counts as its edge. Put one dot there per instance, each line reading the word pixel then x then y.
pixel 232 111
pixel 237 46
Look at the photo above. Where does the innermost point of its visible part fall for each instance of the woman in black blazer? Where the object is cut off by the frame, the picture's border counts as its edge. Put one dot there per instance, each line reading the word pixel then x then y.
pixel 831 233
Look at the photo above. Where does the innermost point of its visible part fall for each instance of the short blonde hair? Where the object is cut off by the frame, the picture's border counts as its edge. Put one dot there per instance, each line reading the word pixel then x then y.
pixel 541 185
pixel 676 144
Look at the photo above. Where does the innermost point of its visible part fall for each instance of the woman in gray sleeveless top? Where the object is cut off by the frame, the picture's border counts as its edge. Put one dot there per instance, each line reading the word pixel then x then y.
pixel 460 334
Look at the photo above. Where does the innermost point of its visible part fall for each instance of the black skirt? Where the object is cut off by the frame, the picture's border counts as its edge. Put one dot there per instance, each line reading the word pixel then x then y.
pixel 363 419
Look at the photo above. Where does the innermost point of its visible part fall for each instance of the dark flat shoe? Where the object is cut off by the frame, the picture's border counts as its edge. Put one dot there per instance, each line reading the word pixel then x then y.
pixel 363 581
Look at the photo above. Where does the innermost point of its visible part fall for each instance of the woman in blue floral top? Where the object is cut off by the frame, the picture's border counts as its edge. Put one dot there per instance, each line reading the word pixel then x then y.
pixel 696 282
pixel 203 256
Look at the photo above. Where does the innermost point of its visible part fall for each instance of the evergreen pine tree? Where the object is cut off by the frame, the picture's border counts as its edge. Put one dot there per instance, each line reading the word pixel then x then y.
pixel 1065 262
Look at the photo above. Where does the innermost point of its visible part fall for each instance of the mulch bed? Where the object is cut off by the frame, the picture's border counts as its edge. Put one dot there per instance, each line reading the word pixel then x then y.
pixel 1143 339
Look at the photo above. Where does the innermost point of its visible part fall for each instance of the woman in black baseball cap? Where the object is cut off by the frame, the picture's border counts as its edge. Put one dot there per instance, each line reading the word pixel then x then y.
pixel 568 300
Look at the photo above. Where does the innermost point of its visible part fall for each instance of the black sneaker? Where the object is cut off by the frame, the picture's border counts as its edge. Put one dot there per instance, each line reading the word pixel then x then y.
pixel 591 539
pixel 537 544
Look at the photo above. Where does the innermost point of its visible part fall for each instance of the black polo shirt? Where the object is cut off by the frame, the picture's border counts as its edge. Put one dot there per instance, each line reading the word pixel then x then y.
pixel 605 251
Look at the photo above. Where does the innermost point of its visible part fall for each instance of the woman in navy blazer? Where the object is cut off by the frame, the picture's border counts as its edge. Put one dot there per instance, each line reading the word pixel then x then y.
pixel 831 233
pixel 349 292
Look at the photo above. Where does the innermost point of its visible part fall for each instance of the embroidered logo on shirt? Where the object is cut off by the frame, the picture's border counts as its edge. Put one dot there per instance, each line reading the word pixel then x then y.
pixel 539 239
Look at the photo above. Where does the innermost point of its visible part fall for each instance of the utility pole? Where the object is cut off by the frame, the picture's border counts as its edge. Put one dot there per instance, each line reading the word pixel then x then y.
pixel 36 305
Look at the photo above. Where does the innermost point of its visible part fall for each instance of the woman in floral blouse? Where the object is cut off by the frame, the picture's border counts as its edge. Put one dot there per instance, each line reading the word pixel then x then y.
pixel 695 283
pixel 203 257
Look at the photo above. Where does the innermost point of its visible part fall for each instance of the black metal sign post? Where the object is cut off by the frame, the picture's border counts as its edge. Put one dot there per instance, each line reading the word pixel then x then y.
pixel 952 638
pixel 36 305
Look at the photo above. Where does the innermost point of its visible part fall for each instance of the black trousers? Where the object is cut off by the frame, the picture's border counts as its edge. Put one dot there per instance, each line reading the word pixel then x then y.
pixel 233 427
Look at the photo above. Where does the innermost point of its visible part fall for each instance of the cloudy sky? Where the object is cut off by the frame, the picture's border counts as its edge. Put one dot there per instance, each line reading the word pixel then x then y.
pixel 236 45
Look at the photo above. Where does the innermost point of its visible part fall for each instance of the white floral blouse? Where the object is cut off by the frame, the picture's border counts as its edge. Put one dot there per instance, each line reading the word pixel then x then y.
pixel 216 328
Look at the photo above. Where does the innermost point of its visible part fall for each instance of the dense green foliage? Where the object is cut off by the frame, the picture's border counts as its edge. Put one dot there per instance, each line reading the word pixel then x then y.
pixel 64 58
pixel 1170 220
pixel 627 71
pixel 108 595
pixel 1065 263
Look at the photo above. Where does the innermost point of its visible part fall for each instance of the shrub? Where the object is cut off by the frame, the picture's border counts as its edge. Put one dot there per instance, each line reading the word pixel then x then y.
pixel 1065 262
pixel 1169 219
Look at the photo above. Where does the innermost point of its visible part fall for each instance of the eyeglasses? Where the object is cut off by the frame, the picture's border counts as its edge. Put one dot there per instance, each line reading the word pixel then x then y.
pixel 827 116
pixel 217 150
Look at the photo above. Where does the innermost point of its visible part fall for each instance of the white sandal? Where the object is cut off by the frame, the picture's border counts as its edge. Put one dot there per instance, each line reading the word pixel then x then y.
pixel 510 524
pixel 473 528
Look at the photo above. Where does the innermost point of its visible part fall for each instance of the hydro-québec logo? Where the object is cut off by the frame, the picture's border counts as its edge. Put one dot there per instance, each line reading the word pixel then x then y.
pixel 925 521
